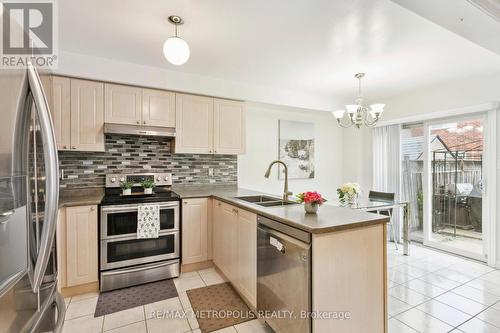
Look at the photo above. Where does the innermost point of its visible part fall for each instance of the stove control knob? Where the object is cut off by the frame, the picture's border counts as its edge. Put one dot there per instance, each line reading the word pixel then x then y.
pixel 113 179
pixel 158 178
pixel 166 178
pixel 122 179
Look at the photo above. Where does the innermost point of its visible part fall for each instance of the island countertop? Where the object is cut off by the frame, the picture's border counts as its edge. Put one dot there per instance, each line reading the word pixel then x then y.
pixel 329 218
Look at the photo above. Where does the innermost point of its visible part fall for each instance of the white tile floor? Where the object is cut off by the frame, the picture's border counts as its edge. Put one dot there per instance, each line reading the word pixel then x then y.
pixel 429 291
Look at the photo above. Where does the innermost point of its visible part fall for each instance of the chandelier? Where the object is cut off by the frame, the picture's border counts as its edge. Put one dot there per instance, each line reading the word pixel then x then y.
pixel 358 114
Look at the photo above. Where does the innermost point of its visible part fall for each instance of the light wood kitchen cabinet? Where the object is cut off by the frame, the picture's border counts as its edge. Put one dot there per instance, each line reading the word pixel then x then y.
pixel 247 255
pixel 225 226
pixel 87 115
pixel 61 248
pixel 194 230
pixel 235 247
pixel 130 105
pixel 158 108
pixel 81 245
pixel 229 127
pixel 123 104
pixel 194 119
pixel 217 233
pixel 205 125
pixel 355 262
pixel 230 215
pixel 76 108
pixel 60 107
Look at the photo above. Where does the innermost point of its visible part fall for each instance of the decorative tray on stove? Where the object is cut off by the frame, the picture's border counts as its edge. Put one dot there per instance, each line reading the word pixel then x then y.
pixel 137 194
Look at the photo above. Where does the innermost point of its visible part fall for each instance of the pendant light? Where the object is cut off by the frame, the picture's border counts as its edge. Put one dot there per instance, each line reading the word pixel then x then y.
pixel 175 49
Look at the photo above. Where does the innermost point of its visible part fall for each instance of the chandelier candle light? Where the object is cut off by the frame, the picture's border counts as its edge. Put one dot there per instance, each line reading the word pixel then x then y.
pixel 358 114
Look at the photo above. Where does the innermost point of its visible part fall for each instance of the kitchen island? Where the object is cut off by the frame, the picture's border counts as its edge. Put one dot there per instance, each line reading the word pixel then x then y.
pixel 348 291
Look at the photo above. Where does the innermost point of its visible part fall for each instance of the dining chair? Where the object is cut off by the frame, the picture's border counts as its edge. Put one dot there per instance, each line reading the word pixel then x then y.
pixel 385 197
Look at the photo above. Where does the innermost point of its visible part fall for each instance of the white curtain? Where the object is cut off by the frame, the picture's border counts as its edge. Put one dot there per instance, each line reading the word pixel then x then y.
pixel 387 166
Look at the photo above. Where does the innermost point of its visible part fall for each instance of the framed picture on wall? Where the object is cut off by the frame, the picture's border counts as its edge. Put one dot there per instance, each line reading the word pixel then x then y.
pixel 296 149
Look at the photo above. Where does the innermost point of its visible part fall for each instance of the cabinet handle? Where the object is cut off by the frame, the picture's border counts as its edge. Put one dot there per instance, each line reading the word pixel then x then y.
pixel 138 122
pixel 144 122
pixel 92 208
pixel 73 147
pixel 65 147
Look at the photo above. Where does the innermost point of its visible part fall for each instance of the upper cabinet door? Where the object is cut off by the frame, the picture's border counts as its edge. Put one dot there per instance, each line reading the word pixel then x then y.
pixel 123 104
pixel 60 110
pixel 229 127
pixel 194 124
pixel 87 115
pixel 158 108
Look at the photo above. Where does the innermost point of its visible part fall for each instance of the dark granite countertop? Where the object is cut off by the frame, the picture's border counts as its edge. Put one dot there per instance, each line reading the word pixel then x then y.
pixel 80 196
pixel 330 218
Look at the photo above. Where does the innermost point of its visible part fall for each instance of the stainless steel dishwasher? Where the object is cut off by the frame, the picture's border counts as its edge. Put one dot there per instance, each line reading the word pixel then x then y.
pixel 283 276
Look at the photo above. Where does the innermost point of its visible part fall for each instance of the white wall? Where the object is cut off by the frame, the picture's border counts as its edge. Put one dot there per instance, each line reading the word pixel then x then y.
pixel 448 95
pixel 262 148
pixel 357 157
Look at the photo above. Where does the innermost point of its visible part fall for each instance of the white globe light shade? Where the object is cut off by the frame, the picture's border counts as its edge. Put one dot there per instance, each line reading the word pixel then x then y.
pixel 176 50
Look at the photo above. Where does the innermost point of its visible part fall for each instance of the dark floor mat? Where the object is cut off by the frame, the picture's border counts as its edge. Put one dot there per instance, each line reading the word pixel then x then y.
pixel 127 298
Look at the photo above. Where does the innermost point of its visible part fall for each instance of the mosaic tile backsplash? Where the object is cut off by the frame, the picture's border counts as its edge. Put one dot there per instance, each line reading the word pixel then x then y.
pixel 133 154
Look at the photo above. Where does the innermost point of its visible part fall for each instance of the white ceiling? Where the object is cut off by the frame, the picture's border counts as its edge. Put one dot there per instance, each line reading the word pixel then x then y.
pixel 303 45
pixel 462 17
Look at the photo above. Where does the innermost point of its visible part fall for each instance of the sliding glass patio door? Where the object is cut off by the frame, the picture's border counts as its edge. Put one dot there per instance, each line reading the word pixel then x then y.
pixel 453 197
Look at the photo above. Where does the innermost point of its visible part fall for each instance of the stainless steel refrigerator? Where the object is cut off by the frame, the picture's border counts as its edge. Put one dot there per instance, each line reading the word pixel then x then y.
pixel 29 195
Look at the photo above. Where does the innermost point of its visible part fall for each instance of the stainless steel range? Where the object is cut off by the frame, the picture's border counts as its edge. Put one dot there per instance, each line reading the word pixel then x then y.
pixel 126 260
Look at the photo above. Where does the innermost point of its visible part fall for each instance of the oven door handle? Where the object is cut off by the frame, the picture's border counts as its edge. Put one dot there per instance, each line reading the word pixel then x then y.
pixel 139 268
pixel 133 207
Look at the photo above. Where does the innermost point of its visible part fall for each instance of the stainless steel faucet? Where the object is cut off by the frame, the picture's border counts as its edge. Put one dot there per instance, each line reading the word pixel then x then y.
pixel 286 193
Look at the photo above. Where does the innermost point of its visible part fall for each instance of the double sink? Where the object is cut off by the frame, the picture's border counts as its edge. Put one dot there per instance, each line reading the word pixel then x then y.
pixel 265 201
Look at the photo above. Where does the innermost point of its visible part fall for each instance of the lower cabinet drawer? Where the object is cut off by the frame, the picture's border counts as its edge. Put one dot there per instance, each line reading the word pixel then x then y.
pixel 126 277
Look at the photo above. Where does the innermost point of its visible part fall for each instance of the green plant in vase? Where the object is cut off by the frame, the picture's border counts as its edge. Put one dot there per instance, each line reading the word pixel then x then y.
pixel 126 187
pixel 148 186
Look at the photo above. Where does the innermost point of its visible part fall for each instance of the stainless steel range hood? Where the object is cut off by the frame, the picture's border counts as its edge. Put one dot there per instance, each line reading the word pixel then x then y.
pixel 139 130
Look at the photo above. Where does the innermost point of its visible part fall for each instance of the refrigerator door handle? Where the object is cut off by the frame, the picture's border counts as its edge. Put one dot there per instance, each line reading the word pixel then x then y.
pixel 53 299
pixel 51 177
pixel 61 312
pixel 5 216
